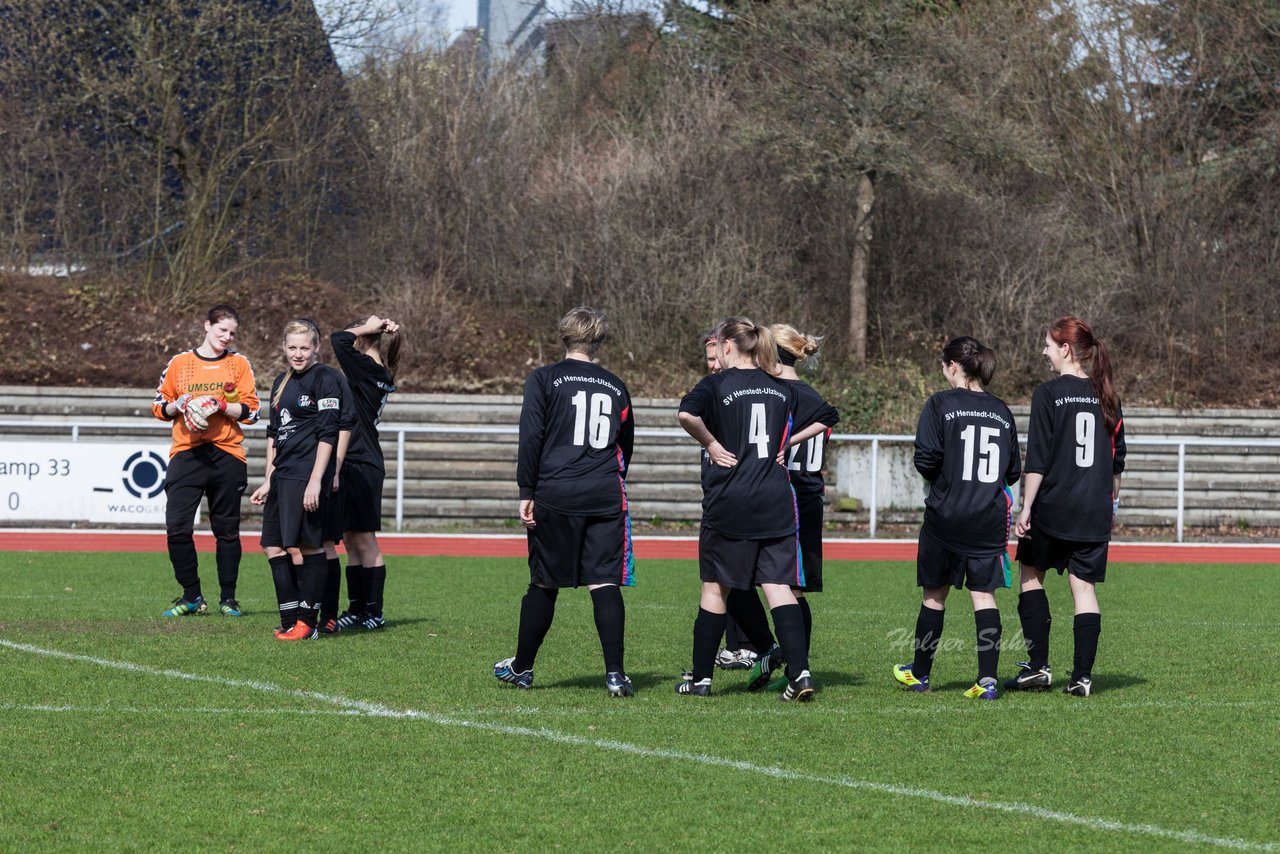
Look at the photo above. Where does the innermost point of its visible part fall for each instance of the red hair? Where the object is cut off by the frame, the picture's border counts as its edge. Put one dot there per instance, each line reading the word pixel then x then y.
pixel 1091 354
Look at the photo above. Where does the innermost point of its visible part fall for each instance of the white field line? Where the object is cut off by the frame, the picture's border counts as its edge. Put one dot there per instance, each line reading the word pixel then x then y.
pixel 1191 837
pixel 134 710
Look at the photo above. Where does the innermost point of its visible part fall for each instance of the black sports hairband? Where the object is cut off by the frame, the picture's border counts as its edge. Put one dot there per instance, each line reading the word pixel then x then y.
pixel 786 357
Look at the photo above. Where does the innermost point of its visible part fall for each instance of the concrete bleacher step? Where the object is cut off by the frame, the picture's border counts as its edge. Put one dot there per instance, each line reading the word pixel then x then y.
pixel 453 476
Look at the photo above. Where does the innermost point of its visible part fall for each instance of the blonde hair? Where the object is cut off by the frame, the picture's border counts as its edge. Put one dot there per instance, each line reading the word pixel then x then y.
pixel 755 341
pixel 301 326
pixel 794 341
pixel 583 329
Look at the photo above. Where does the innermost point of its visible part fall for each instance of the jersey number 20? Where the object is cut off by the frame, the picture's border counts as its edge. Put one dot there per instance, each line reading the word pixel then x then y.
pixel 601 406
pixel 988 453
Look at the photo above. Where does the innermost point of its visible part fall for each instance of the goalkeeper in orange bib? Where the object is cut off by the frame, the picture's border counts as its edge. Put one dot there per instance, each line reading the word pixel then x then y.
pixel 207 393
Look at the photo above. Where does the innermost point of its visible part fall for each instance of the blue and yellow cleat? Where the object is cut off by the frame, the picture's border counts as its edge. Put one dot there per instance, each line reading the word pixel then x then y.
pixel 184 607
pixel 903 674
pixel 229 608
pixel 983 689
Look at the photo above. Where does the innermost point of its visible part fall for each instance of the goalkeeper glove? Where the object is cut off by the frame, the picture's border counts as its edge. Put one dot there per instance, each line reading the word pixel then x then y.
pixel 199 410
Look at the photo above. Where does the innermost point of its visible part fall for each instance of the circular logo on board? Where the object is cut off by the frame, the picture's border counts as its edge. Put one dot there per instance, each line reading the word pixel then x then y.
pixel 144 474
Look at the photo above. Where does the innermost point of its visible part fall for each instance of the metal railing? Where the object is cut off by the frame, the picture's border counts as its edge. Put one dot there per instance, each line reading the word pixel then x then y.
pixel 874 439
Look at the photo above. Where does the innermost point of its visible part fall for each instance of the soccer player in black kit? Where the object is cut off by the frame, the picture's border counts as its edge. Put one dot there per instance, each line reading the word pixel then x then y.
pixel 967 449
pixel 301 434
pixel 1075 456
pixel 576 434
pixel 742 416
pixel 369 353
pixel 814 419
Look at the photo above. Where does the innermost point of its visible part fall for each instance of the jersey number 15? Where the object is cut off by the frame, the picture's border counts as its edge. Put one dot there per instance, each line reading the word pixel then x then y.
pixel 988 454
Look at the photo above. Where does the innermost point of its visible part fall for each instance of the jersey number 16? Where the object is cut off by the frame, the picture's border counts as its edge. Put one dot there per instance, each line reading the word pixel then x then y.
pixel 601 407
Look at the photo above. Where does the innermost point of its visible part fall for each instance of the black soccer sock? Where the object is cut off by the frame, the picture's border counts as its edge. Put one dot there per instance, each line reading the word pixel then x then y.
pixel 707 629
pixel 734 639
pixel 355 588
pixel 332 588
pixel 286 590
pixel 228 557
pixel 748 612
pixel 808 621
pixel 987 622
pixel 537 610
pixel 788 622
pixel 928 633
pixel 1087 629
pixel 375 578
pixel 1033 610
pixel 311 581
pixel 611 621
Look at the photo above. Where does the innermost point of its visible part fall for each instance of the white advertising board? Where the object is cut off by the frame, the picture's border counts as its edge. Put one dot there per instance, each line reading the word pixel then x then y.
pixel 83 481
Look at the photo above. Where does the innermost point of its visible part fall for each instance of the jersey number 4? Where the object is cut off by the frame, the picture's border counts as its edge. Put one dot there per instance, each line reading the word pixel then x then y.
pixel 988 454
pixel 596 410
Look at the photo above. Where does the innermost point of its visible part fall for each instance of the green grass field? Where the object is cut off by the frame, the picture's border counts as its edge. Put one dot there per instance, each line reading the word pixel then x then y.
pixel 124 731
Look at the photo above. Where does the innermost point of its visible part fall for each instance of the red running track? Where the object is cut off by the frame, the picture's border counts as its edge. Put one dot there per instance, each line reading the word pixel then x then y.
pixel 650 548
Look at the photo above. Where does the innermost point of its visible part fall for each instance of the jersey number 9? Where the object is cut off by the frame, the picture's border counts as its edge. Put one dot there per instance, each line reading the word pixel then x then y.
pixel 1084 439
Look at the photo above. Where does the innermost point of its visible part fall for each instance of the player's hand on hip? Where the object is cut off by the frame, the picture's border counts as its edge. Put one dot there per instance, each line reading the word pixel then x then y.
pixel 720 455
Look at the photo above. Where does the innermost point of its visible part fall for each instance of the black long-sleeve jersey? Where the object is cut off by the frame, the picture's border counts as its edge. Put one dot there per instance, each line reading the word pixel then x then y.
pixel 371 384
pixel 804 461
pixel 967 449
pixel 750 413
pixel 1068 443
pixel 308 413
pixel 576 435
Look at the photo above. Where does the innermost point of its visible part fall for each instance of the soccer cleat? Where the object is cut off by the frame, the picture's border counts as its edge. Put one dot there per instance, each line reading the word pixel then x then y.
pixel 328 627
pixel 1081 687
pixel 800 689
pixel 687 676
pixel 736 659
pixel 619 685
pixel 373 622
pixel 184 607
pixel 689 688
pixel 300 631
pixel 1028 679
pixel 903 674
pixel 764 667
pixel 983 689
pixel 229 608
pixel 502 670
pixel 350 619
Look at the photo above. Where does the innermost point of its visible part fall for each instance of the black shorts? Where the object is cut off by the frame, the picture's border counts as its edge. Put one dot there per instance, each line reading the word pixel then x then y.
pixel 363 502
pixel 285 524
pixel 740 564
pixel 570 551
pixel 810 508
pixel 938 566
pixel 334 518
pixel 1086 561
